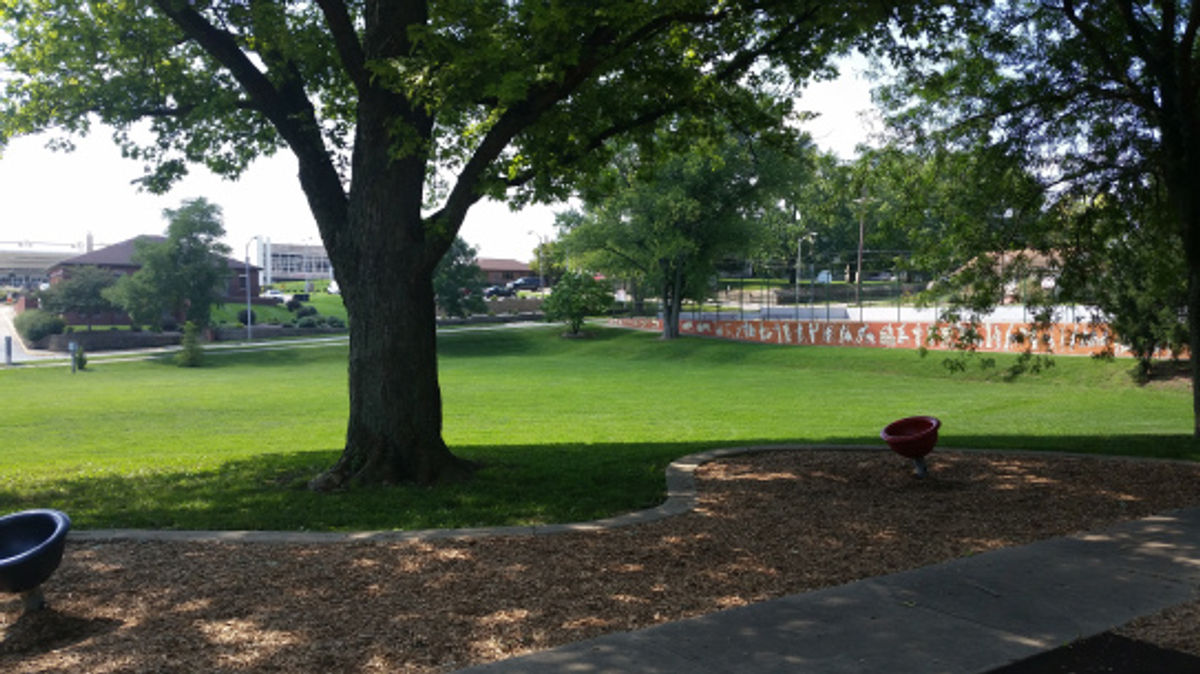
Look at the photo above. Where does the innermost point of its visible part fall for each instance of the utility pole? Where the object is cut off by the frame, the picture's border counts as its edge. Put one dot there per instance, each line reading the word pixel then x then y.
pixel 541 268
pixel 862 212
pixel 799 260
pixel 249 311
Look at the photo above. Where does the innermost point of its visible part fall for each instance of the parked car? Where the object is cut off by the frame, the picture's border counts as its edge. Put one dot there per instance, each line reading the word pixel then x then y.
pixel 272 293
pixel 498 291
pixel 525 283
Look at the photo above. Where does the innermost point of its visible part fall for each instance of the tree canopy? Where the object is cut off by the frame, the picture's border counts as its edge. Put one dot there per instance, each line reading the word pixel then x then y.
pixel 1101 100
pixel 667 220
pixel 181 276
pixel 82 292
pixel 458 281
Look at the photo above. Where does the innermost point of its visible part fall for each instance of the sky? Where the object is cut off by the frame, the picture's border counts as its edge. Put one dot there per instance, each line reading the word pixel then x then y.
pixel 52 199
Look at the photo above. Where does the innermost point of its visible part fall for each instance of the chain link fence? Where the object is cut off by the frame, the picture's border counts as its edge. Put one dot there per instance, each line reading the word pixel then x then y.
pixel 772 288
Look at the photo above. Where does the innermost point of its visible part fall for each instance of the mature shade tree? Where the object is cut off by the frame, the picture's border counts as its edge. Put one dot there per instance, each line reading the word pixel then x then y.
pixel 183 275
pixel 951 209
pixel 668 220
pixel 1136 276
pixel 1102 97
pixel 82 292
pixel 806 204
pixel 402 114
pixel 458 281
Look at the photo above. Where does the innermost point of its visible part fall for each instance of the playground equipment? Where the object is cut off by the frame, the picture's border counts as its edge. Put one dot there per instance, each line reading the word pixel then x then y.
pixel 31 547
pixel 913 437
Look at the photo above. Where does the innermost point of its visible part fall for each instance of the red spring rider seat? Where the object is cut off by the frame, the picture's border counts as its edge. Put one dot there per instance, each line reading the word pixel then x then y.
pixel 913 437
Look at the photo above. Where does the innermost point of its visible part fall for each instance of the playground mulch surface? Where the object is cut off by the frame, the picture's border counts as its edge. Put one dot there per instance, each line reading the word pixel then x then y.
pixel 766 525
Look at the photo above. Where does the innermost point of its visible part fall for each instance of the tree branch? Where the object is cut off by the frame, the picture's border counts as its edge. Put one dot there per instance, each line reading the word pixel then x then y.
pixel 1099 47
pixel 288 110
pixel 345 40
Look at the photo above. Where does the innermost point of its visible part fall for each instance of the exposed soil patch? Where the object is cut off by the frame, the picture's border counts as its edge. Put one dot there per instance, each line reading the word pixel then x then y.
pixel 766 525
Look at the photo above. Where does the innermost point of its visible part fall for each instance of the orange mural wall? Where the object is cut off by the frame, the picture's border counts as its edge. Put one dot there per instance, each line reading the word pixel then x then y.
pixel 1081 339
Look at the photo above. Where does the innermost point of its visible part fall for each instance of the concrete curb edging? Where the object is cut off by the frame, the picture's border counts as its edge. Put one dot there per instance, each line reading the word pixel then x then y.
pixel 681 499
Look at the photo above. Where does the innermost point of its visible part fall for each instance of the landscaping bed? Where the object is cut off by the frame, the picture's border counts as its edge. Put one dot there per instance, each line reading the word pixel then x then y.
pixel 766 525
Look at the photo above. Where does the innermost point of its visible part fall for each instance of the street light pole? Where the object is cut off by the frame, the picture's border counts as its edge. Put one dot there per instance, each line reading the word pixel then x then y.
pixel 810 236
pixel 862 213
pixel 541 269
pixel 249 311
pixel 799 266
pixel 799 261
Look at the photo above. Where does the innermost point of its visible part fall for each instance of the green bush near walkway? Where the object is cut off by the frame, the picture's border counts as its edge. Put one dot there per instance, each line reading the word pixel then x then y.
pixel 566 430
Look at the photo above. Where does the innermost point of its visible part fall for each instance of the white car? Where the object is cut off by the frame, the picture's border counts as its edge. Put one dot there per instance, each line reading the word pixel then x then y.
pixel 272 293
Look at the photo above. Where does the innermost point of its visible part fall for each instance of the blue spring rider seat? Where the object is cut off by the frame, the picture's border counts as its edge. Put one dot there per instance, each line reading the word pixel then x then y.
pixel 31 547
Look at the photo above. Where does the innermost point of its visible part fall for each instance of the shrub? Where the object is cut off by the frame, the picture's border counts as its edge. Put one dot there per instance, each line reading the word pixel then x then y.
pixel 335 322
pixel 169 325
pixel 309 322
pixel 574 298
pixel 192 354
pixel 242 317
pixel 306 311
pixel 36 324
pixel 293 304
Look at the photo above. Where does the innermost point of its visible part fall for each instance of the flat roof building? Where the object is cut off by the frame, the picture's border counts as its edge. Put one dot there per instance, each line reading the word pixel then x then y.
pixel 293 262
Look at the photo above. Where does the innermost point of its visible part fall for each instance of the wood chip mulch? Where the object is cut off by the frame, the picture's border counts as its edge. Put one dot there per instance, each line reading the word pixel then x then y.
pixel 766 525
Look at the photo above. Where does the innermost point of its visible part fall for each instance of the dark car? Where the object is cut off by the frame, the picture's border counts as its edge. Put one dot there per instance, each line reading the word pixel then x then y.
pixel 498 291
pixel 525 283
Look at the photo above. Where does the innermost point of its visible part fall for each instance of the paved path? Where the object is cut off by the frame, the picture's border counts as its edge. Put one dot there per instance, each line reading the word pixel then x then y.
pixel 7 330
pixel 967 615
pixel 35 358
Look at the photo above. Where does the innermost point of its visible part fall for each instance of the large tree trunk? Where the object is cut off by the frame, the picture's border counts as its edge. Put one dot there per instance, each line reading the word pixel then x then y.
pixel 1180 128
pixel 1194 341
pixel 1187 208
pixel 672 302
pixel 384 256
pixel 394 432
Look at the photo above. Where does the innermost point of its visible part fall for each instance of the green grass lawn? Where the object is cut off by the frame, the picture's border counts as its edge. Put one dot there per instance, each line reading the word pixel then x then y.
pixel 264 314
pixel 565 429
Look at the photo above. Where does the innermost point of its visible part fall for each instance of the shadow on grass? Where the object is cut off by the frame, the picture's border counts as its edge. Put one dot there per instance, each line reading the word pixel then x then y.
pixel 544 340
pixel 516 485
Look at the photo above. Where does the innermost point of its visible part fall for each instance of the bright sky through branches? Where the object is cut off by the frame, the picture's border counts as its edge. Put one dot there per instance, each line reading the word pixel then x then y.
pixel 57 197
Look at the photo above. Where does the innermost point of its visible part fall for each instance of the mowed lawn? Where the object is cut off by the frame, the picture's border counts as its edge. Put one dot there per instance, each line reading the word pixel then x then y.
pixel 565 430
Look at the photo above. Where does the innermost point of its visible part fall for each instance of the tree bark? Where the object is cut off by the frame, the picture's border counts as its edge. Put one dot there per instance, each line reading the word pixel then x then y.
pixel 1179 123
pixel 1187 209
pixel 394 432
pixel 672 300
pixel 384 255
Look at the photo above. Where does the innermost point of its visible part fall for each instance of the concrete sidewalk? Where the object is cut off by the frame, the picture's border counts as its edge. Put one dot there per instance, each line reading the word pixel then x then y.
pixel 971 614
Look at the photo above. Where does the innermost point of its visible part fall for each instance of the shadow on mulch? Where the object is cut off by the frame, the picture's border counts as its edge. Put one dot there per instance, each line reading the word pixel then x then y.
pixel 47 629
pixel 1103 654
